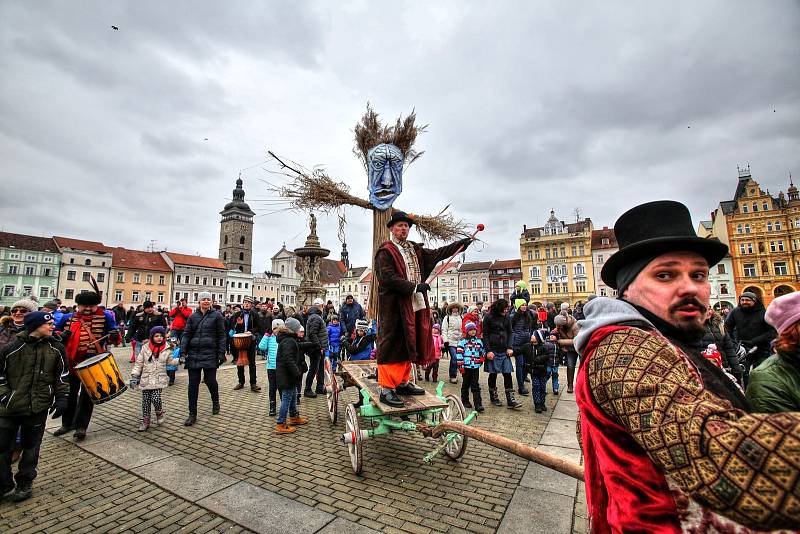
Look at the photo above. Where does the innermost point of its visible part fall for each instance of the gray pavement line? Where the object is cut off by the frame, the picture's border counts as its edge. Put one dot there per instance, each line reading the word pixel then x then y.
pixel 197 501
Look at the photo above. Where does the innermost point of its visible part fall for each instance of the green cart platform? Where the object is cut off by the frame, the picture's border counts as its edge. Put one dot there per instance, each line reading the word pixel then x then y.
pixel 375 418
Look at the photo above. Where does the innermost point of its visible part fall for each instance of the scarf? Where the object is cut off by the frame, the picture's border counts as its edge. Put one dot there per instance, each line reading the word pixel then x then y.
pixel 155 350
pixel 413 273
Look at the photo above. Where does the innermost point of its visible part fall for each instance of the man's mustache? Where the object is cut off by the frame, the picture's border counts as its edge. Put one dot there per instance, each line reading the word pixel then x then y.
pixel 689 301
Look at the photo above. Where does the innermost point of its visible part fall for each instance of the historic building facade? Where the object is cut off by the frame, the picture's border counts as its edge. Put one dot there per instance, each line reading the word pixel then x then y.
pixel 236 233
pixel 445 287
pixel 473 282
pixel 557 260
pixel 194 274
pixel 138 276
pixel 763 235
pixel 503 274
pixel 284 264
pixel 29 266
pixel 604 244
pixel 351 284
pixel 265 286
pixel 240 285
pixel 81 260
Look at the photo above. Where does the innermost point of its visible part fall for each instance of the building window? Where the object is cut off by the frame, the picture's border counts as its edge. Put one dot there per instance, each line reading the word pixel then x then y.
pixel 547 253
pixel 765 206
pixel 574 250
pixel 549 288
pixel 44 291
pixel 769 226
pixel 720 268
pixel 749 248
pixel 160 298
pixel 162 280
pixel 563 252
pixel 581 250
pixel 225 257
pixel 13 256
pixel 600 259
pixel 101 277
pixel 86 276
pixel 30 270
pixel 535 273
pixel 224 242
pixel 205 281
pixel 555 252
pixel 723 289
pixel 749 269
pixel 120 277
pixel 580 269
pixel 530 255
pixel 780 246
pixel 780 268
pixel 738 228
pixel 605 241
pixel 602 292
pixel 744 209
pixel 536 254
pixel 241 256
pixel 47 271
pixel 135 296
pixel 69 294
pixel 747 228
pixel 118 295
pixel 13 269
pixel 777 226
pixel 148 295
pixel 149 279
pixel 484 283
pixel 580 286
pixel 536 288
pixel 136 278
pixel 755 207
pixel 87 261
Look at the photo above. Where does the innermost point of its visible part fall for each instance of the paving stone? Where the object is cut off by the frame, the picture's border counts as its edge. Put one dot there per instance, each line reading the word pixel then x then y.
pixel 567 410
pixel 543 478
pixel 274 513
pixel 343 526
pixel 93 436
pixel 185 478
pixel 126 452
pixel 560 433
pixel 555 516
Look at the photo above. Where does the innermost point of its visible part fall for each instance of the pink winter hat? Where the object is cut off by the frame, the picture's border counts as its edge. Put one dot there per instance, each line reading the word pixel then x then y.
pixel 784 311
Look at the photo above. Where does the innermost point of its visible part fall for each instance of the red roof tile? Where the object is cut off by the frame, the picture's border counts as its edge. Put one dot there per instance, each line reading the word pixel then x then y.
pixel 124 258
pixel 598 235
pixel 475 266
pixel 27 242
pixel 331 271
pixel 507 264
pixel 197 261
pixel 80 244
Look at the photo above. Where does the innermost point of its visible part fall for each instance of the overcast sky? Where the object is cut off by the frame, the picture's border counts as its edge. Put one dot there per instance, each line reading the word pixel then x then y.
pixel 531 106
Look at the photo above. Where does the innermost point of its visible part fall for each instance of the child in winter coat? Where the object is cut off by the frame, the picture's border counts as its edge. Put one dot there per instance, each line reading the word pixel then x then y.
pixel 290 366
pixel 432 370
pixel 269 346
pixel 150 374
pixel 334 341
pixel 469 358
pixel 543 365
pixel 173 369
pixel 363 341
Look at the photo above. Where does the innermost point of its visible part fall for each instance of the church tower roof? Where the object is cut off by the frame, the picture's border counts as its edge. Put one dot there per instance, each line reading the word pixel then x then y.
pixel 238 202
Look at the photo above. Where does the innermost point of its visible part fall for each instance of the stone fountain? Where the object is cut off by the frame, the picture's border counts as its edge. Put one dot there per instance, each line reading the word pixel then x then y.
pixel 309 258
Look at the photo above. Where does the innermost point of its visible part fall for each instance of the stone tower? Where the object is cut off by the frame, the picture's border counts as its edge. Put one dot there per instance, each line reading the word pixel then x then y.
pixel 236 232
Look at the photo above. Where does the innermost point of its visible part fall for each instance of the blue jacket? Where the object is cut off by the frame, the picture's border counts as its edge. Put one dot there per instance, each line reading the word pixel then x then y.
pixel 547 352
pixel 334 335
pixel 175 355
pixel 521 330
pixel 349 314
pixel 269 345
pixel 470 353
pixel 360 348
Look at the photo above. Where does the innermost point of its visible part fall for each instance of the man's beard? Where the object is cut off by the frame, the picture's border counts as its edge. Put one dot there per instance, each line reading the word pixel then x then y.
pixel 692 327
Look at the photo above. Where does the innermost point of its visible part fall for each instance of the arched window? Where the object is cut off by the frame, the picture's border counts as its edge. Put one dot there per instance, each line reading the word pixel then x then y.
pixel 241 256
pixel 87 262
pixel 225 240
pixel 241 240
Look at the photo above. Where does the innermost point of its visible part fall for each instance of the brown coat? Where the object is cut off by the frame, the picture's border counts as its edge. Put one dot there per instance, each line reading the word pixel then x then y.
pixel 402 334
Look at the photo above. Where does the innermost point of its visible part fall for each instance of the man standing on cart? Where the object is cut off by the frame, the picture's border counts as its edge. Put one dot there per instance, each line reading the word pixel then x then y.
pixel 404 317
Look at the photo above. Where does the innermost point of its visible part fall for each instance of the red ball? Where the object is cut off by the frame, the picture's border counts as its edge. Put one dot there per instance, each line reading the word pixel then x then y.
pixel 481 227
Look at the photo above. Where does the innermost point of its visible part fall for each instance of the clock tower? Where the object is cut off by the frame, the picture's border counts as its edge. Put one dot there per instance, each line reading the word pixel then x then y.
pixel 236 232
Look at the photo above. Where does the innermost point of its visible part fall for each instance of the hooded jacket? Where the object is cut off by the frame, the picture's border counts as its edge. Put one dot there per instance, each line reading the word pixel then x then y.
pixel 748 327
pixel 203 342
pixel 775 384
pixel 289 360
pixel 315 328
pixel 8 330
pixel 33 372
pixel 151 365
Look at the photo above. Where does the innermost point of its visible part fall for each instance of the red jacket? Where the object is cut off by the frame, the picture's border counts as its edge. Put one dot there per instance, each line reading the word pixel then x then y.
pixel 179 316
pixel 472 318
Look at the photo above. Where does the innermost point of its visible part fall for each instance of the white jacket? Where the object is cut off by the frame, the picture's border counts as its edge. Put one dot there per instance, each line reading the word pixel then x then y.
pixel 153 374
pixel 451 329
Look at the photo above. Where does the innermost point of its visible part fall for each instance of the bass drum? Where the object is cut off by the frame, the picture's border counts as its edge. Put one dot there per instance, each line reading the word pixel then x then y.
pixel 101 378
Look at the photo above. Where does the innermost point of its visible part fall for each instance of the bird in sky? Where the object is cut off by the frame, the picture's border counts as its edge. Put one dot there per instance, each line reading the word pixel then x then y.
pixel 114 28
pixel 205 139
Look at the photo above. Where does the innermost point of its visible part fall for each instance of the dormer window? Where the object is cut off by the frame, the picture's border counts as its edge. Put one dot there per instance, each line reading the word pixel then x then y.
pixel 605 241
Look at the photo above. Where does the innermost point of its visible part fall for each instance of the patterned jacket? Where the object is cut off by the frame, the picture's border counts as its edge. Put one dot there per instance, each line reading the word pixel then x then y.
pixel 470 353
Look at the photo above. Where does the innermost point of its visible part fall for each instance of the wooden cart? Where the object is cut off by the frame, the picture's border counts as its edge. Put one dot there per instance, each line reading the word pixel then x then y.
pixel 428 410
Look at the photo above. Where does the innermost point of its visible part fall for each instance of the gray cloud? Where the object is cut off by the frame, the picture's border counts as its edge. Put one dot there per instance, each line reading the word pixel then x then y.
pixel 531 106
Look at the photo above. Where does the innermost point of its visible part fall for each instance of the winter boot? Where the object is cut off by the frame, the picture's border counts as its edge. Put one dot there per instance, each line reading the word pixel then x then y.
pixel 255 388
pixel 145 424
pixel 512 402
pixel 570 378
pixel 63 430
pixel 80 434
pixel 272 408
pixel 297 420
pixel 160 416
pixel 192 419
pixel 537 408
pixel 476 397
pixel 215 409
pixel 23 492
pixel 465 401
pixel 283 428
pixel 494 398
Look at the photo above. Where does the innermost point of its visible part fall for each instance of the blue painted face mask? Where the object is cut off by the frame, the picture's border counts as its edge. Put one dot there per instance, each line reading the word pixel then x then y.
pixel 385 167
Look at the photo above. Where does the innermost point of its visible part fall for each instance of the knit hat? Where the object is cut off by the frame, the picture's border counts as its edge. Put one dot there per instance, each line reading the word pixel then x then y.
pixel 277 323
pixel 318 302
pixel 564 306
pixel 782 312
pixel 148 304
pixel 520 285
pixel 362 324
pixel 87 298
pixel 436 326
pixel 560 320
pixel 51 305
pixel 749 295
pixel 205 295
pixel 293 325
pixel 35 319
pixel 472 309
pixel 518 303
pixel 157 330
pixel 334 317
pixel 28 304
pixel 470 326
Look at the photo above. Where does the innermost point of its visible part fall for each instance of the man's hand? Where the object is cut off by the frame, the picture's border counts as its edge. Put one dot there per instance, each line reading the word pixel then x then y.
pixel 422 288
pixel 490 355
pixel 59 407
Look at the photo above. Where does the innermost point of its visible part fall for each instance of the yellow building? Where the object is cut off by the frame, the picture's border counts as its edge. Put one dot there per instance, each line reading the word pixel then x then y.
pixel 557 260
pixel 763 234
pixel 138 276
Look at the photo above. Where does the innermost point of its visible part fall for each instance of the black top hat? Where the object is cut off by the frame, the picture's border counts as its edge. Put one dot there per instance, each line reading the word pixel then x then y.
pixel 400 216
pixel 656 228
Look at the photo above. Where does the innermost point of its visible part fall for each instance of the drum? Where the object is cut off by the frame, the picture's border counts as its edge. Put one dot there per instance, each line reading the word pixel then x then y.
pixel 100 377
pixel 242 342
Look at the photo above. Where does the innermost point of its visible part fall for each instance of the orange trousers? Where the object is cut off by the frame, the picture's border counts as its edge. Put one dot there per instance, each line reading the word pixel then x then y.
pixel 391 375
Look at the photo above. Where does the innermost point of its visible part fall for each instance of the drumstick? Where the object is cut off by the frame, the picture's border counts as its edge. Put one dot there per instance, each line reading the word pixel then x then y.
pixel 98 339
pixel 446 265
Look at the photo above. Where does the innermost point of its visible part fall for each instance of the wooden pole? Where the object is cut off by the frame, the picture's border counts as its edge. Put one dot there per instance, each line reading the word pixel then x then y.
pixel 380 234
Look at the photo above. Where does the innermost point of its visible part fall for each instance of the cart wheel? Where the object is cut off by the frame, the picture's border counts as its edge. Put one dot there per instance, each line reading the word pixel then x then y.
pixel 455 411
pixel 331 391
pixel 351 425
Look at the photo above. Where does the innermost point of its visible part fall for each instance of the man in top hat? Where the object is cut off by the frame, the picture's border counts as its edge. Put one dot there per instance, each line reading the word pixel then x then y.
pixel 668 441
pixel 404 320
pixel 747 325
pixel 85 333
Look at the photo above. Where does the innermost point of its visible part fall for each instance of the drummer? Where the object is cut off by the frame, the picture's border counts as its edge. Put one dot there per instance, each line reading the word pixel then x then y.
pixel 247 321
pixel 86 333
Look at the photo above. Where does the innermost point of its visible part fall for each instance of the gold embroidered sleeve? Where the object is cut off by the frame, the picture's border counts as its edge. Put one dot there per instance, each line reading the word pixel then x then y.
pixel 744 466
